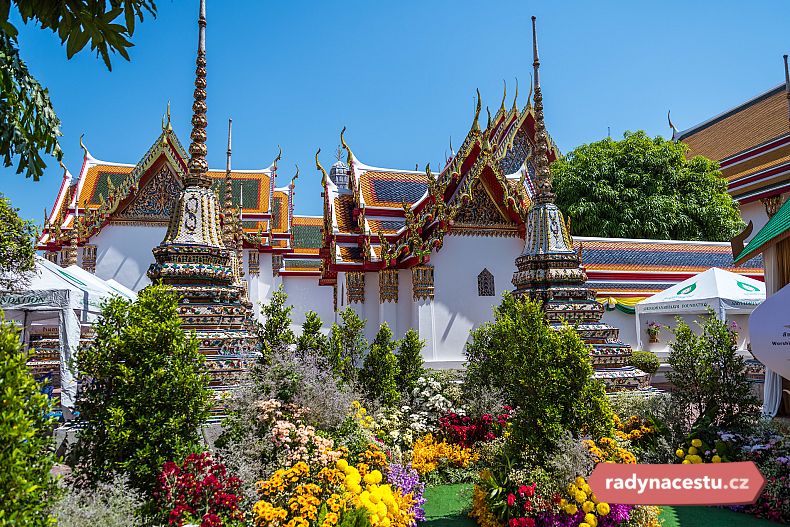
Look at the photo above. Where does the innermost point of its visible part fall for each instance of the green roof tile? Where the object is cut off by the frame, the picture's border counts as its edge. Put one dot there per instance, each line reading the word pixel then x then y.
pixel 776 226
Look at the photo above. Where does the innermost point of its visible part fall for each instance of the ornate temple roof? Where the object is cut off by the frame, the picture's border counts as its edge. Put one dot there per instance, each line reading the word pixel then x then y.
pixel 751 142
pixel 104 191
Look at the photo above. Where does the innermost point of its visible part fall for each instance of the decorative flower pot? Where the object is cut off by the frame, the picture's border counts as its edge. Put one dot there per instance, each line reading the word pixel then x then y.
pixel 653 339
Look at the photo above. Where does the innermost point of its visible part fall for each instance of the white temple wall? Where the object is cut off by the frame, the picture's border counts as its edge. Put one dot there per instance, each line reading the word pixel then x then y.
pixel 123 253
pixel 625 323
pixel 754 212
pixel 370 309
pixel 457 306
pixel 405 308
pixel 304 294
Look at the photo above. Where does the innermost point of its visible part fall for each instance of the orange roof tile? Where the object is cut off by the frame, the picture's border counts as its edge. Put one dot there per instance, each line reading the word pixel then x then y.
pixel 744 127
pixel 344 207
pixel 95 184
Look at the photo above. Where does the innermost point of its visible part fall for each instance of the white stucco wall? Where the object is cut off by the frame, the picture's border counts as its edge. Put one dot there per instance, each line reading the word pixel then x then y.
pixel 304 294
pixel 754 212
pixel 123 252
pixel 457 307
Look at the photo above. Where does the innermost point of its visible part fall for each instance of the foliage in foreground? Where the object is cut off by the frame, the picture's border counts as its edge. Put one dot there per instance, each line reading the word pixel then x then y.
pixel 111 504
pixel 642 187
pixel 28 123
pixel 705 366
pixel 546 373
pixel 17 246
pixel 26 455
pixel 145 393
pixel 379 373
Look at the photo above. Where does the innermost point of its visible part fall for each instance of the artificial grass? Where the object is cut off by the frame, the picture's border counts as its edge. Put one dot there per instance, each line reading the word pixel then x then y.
pixel 448 506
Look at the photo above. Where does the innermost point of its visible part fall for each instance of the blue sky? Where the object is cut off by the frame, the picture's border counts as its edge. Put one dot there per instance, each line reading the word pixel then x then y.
pixel 400 75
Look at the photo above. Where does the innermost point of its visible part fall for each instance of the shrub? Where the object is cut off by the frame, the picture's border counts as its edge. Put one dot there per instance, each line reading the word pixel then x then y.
pixel 111 504
pixel 411 365
pixel 275 333
pixel 380 369
pixel 17 247
pixel 546 374
pixel 467 431
pixel 347 345
pixel 199 490
pixel 26 447
pixel 704 367
pixel 145 392
pixel 312 341
pixel 645 361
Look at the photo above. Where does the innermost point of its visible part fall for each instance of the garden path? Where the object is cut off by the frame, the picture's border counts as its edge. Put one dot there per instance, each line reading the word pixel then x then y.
pixel 448 505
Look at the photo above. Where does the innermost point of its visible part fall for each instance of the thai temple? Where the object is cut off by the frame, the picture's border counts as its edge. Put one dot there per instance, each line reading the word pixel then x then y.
pixel 428 249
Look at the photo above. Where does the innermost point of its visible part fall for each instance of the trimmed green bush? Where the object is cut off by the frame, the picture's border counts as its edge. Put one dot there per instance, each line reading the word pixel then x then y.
pixel 347 345
pixel 312 341
pixel 26 447
pixel 546 375
pixel 645 361
pixel 145 394
pixel 411 365
pixel 275 332
pixel 380 369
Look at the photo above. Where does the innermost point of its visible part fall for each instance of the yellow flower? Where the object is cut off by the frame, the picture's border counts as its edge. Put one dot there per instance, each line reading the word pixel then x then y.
pixel 571 509
pixel 580 481
pixel 588 506
pixel 715 459
pixel 692 450
pixel 603 508
pixel 582 524
pixel 580 497
pixel 686 462
pixel 696 442
pixel 679 453
pixel 591 519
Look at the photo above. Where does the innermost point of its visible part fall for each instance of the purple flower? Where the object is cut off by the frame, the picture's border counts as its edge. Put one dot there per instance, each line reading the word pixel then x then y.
pixel 407 480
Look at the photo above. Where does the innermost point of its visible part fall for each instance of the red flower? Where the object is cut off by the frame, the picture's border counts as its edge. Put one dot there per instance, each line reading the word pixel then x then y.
pixel 511 499
pixel 513 522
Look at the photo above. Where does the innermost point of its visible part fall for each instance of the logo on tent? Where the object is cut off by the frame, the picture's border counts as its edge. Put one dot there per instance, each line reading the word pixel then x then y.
pixel 688 289
pixel 748 287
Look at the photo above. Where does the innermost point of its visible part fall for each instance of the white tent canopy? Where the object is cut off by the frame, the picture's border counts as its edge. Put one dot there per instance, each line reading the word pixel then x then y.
pixel 65 295
pixel 715 289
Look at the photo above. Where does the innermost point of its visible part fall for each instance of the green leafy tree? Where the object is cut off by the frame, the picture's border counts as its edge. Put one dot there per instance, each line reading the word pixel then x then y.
pixel 275 333
pixel 26 447
pixel 145 394
pixel 28 123
pixel 411 365
pixel 312 341
pixel 379 373
pixel 642 187
pixel 545 373
pixel 17 246
pixel 347 345
pixel 704 367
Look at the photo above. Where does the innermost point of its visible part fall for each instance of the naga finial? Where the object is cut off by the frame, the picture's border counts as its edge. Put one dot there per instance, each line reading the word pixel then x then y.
pixel 324 176
pixel 277 158
pixel 84 148
pixel 672 125
pixel 515 99
pixel 350 157
pixel 166 126
pixel 293 179
pixel 478 105
pixel 531 86
pixel 504 96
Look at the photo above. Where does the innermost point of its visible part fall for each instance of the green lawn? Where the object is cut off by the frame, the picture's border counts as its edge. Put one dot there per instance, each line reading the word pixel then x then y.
pixel 448 505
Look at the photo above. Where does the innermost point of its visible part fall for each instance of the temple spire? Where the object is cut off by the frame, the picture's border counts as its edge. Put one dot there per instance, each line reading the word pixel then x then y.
pixel 228 182
pixel 198 166
pixel 543 190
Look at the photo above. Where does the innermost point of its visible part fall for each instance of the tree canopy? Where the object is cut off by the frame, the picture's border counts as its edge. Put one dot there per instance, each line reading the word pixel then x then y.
pixel 643 187
pixel 28 123
pixel 17 246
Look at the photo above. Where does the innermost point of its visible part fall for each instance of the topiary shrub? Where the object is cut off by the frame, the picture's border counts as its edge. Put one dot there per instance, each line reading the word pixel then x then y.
pixel 706 366
pixel 275 332
pixel 144 396
pixel 411 365
pixel 645 361
pixel 312 341
pixel 546 375
pixel 380 369
pixel 347 345
pixel 26 447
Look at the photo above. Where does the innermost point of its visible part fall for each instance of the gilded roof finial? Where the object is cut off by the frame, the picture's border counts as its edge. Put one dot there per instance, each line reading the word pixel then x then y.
pixel 350 156
pixel 324 176
pixel 514 109
pixel 478 105
pixel 166 126
pixel 84 148
pixel 198 166
pixel 228 181
pixel 543 190
pixel 486 144
pixel 787 88
pixel 504 96
pixel 296 176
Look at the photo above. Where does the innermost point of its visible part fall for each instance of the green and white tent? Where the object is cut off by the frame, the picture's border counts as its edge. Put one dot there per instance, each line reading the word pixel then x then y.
pixel 718 290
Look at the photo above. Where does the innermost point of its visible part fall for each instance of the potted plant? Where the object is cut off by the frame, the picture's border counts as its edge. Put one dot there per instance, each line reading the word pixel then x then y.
pixel 653 328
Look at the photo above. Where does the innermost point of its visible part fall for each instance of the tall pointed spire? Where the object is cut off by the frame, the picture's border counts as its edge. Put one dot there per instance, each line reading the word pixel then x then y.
pixel 198 166
pixel 543 190
pixel 228 181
